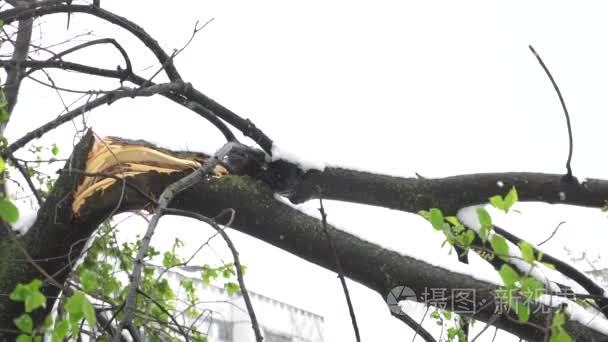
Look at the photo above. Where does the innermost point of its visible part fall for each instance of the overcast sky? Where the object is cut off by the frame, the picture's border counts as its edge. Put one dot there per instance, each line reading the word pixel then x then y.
pixel 434 87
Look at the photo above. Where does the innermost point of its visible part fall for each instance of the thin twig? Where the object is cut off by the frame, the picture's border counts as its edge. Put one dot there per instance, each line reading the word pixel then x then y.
pixel 552 234
pixel 27 178
pixel 104 99
pixel 561 100
pixel 237 264
pixel 351 311
pixel 410 322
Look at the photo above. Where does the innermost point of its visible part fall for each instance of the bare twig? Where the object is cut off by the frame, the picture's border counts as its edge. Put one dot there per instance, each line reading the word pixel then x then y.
pixel 20 53
pixel 237 264
pixel 104 99
pixel 351 310
pixel 179 96
pixel 561 100
pixel 28 179
pixel 410 322
pixel 552 234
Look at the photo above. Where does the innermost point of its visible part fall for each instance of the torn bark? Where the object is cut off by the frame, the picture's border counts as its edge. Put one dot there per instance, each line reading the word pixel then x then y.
pixel 57 238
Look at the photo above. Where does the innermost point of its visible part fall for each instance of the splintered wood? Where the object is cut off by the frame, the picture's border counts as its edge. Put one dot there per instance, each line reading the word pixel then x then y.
pixel 120 158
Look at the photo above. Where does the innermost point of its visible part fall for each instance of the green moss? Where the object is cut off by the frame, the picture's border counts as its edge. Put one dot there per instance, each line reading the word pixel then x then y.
pixel 242 183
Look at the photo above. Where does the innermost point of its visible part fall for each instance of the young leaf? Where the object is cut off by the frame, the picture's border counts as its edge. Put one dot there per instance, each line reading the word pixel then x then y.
pixel 89 312
pixel 523 312
pixel 74 304
pixel 499 245
pixel 34 301
pixel 453 220
pixel 231 288
pixel 560 336
pixel 526 251
pixel 2 165
pixel 558 320
pixel 8 211
pixel 532 288
pixel 436 218
pixel 483 233
pixel 497 202
pixel 24 338
pixel 509 275
pixel 484 218
pixel 510 199
pixel 88 279
pixel 55 150
pixel 24 323
pixel 61 329
pixel 469 237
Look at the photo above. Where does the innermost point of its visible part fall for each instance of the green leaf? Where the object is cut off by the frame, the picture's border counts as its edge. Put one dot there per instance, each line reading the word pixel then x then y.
pixel 549 265
pixel 2 165
pixel 484 218
pixel 558 320
pixel 20 293
pixel 74 304
pixel 497 202
pixel 61 329
pixel 89 312
pixel 509 275
pixel 453 220
pixel 523 312
pixel 531 288
pixel 560 336
pixel 510 199
pixel 427 215
pixel 436 218
pixel 483 233
pixel 8 211
pixel 469 237
pixel 24 338
pixel 526 251
pixel 24 323
pixel 499 245
pixel 34 301
pixel 231 288
pixel 55 149
pixel 88 279
pixel 48 321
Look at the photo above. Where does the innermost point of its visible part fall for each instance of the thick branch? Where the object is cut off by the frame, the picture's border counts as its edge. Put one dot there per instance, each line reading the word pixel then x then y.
pixel 450 193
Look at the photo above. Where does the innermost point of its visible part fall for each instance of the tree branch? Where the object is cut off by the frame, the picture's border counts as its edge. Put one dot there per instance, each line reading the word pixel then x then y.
pixel 263 216
pixel 450 193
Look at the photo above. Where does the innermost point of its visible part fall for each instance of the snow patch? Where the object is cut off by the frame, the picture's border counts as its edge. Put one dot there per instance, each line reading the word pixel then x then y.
pixel 279 153
pixel 27 217
pixel 577 313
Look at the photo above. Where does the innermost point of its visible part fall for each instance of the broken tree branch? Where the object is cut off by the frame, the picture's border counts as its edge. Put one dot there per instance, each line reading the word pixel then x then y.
pixel 165 199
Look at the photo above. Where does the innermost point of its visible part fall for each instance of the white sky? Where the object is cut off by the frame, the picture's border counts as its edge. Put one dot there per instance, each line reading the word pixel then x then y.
pixel 434 87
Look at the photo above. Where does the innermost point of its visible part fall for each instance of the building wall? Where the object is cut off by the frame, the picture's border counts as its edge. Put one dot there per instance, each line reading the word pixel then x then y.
pixel 225 317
